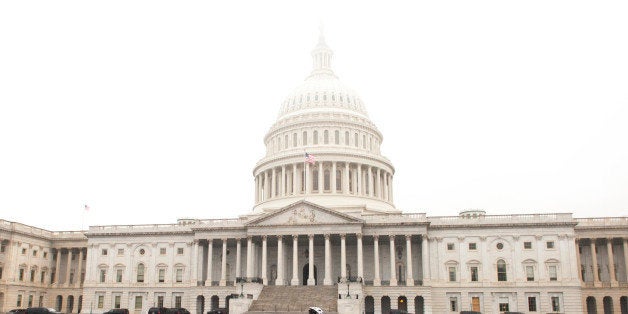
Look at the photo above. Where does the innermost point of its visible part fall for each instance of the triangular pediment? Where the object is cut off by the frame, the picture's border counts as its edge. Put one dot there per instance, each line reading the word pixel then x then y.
pixel 304 213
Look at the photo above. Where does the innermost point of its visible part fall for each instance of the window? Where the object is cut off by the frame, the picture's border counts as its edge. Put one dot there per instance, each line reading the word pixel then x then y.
pixel 555 304
pixel 140 273
pixel 315 138
pixel 355 139
pixel 474 273
pixel 285 142
pixel 530 273
pixel 532 304
pixel 549 244
pixel 162 251
pixel 326 179
pixel 142 251
pixel 503 307
pixel 43 276
pixel 34 253
pixel 501 270
pixel 71 277
pixel 363 141
pixel 453 304
pixel 294 140
pixel 120 251
pixel 101 301
pixel 116 302
pixel 103 275
pixel 177 301
pixel 23 251
pixel 337 137
pixel 553 274
pixel 19 300
pixel 138 302
pixel 180 251
pixel 304 138
pixel 103 252
pixel 347 138
pixel 30 300
pixel 500 246
pixel 160 301
pixel 21 274
pixel 450 246
pixel 162 275
pixel 473 246
pixel 527 245
pixel 3 247
pixel 452 273
pixel 326 137
pixel 45 254
pixel 32 275
pixel 0 272
pixel 118 275
pixel 179 275
pixel 338 180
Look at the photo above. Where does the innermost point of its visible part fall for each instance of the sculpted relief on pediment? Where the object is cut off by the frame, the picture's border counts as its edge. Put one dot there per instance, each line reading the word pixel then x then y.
pixel 304 214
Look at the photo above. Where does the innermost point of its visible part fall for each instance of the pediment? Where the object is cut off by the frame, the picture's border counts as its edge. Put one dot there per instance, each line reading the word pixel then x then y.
pixel 304 213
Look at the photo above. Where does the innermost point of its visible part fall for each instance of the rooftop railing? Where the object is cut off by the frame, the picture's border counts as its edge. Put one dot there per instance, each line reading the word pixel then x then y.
pixel 409 217
pixel 493 219
pixel 602 222
pixel 53 235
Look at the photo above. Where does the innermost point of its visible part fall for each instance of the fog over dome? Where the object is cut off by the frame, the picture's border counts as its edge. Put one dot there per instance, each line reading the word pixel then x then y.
pixel 325 118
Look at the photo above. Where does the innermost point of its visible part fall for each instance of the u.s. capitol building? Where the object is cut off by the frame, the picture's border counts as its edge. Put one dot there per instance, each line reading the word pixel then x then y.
pixel 324 231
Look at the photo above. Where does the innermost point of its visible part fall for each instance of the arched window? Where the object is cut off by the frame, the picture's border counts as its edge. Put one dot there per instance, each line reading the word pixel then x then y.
pixel 501 270
pixel 355 139
pixel 286 142
pixel 326 137
pixel 338 180
pixel 140 273
pixel 294 140
pixel 315 138
pixel 304 137
pixel 337 137
pixel 327 179
pixel 315 180
pixel 347 138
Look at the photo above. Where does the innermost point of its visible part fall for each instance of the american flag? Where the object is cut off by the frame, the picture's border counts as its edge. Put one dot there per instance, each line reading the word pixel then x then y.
pixel 309 158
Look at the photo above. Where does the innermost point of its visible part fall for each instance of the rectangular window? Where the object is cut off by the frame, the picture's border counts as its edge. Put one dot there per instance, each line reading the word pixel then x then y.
pixel 452 273
pixel 118 275
pixel 0 272
pixel 19 300
pixel 556 304
pixel 530 273
pixel 34 253
pixel 180 251
pixel 474 273
pixel 101 301
pixel 116 302
pixel 473 246
pixel 453 304
pixel 71 278
pixel 177 301
pixel 21 274
pixel 138 302
pixel 3 247
pixel 162 275
pixel 179 275
pixel 32 275
pixel 41 301
pixel 532 304
pixel 162 251
pixel 527 245
pixel 120 251
pixel 103 252
pixel 553 274
pixel 30 301
pixel 103 275
pixel 45 254
pixel 503 307
pixel 549 244
pixel 23 251
pixel 160 301
pixel 43 276
pixel 450 246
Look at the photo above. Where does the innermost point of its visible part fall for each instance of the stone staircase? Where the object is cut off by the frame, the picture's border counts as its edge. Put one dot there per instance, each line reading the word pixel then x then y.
pixel 295 299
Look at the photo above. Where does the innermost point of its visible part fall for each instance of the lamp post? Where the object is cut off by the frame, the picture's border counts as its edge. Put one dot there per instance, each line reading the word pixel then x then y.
pixel 348 283
pixel 241 290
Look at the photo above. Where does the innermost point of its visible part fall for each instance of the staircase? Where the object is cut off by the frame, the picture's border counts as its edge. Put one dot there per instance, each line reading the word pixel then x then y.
pixel 295 299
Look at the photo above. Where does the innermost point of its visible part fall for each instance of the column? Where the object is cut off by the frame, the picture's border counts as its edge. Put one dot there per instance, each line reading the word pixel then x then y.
pixel 360 258
pixel 321 183
pixel 57 267
pixel 358 183
pixel 385 187
pixel 266 186
pixel 210 249
pixel 264 251
pixel 273 188
pixel 68 268
pixel 332 184
pixel 409 275
pixel 625 243
pixel 80 268
pixel 307 184
pixel 379 184
pixel 238 258
pixel 249 256
pixel 327 280
pixel 376 280
pixel 370 182
pixel 390 188
pixel 611 261
pixel 425 257
pixel 284 180
pixel 223 266
pixel 577 242
pixel 194 264
pixel 295 260
pixel 295 187
pixel 343 256
pixel 345 182
pixel 256 189
pixel 279 280
pixel 393 275
pixel 310 277
pixel 596 278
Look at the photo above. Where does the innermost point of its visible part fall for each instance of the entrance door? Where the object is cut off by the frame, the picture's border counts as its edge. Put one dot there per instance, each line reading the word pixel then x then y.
pixel 306 274
pixel 475 304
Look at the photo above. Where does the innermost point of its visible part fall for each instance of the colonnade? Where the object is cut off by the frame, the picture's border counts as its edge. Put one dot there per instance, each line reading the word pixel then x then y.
pixel 595 244
pixel 324 177
pixel 68 281
pixel 283 278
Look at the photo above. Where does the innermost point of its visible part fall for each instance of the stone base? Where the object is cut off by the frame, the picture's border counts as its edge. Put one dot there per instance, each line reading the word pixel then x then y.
pixel 294 282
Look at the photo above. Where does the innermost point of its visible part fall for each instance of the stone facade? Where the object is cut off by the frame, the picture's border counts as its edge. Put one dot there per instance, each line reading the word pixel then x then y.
pixel 330 221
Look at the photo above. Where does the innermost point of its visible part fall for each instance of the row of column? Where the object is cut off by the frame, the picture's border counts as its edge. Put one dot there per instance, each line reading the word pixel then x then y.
pixel 287 180
pixel 594 259
pixel 282 278
pixel 68 269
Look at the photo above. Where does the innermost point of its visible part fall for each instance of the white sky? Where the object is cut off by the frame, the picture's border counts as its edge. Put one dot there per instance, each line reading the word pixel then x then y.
pixel 150 111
